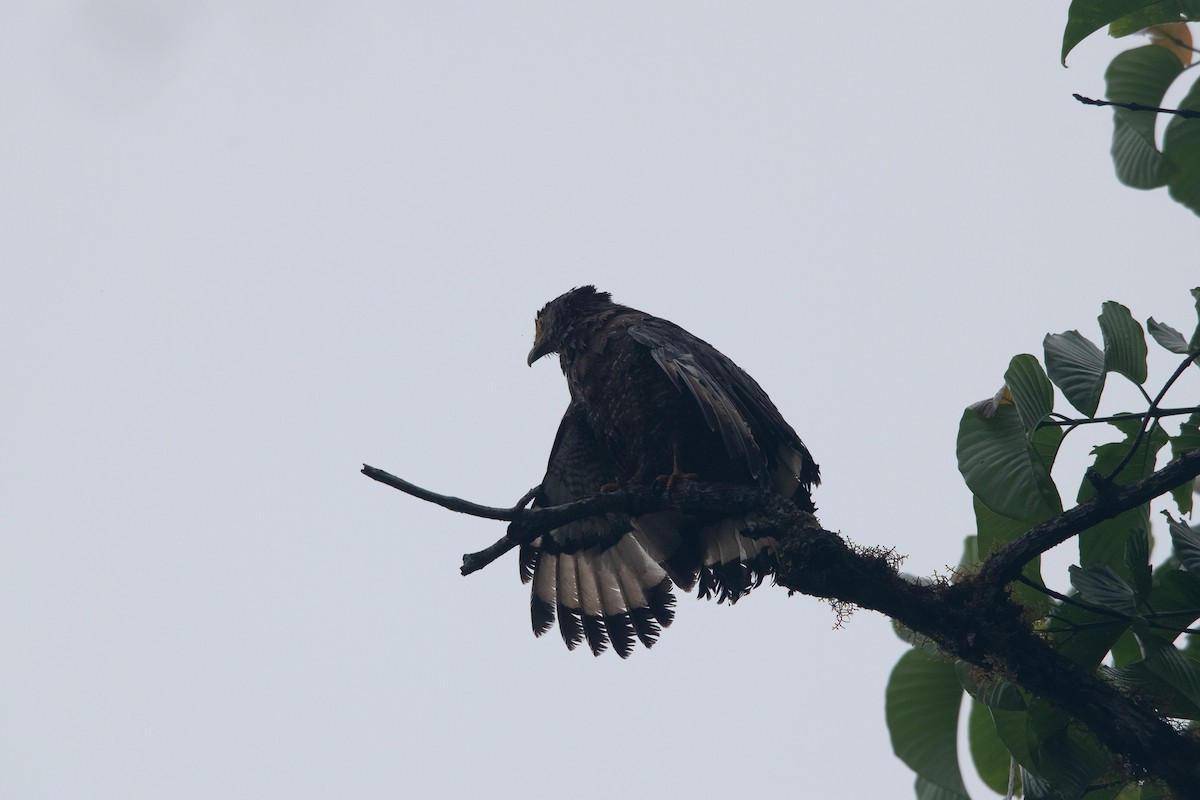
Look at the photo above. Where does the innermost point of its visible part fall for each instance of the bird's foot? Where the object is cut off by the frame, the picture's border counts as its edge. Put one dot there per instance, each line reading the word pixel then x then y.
pixel 636 479
pixel 669 481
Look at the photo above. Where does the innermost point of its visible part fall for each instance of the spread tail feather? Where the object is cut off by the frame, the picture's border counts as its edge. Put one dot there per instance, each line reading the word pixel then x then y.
pixel 603 595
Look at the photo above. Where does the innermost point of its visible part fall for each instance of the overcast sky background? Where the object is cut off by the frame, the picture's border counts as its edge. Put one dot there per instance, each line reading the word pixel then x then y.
pixel 249 246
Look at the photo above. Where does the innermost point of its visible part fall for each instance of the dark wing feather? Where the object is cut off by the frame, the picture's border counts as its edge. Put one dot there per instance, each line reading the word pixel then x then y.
pixel 591 574
pixel 698 369
pixel 733 405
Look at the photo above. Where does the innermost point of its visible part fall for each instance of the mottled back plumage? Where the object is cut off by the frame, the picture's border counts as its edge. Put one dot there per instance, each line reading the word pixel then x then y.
pixel 650 402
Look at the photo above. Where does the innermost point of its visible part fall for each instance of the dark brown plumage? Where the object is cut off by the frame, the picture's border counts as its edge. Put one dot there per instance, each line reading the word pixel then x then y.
pixel 593 574
pixel 650 402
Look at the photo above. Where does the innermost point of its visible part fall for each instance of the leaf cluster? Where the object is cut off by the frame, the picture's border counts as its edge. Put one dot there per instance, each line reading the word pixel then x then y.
pixel 1121 619
pixel 1137 80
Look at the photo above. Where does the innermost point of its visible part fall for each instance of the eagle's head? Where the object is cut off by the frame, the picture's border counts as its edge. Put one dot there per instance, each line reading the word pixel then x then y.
pixel 556 321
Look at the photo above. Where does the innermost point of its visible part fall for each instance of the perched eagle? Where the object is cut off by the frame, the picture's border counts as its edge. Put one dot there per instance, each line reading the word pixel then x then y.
pixel 650 403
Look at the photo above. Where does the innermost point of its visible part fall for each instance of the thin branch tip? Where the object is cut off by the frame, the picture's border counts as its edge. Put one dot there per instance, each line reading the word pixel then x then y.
pixel 1185 113
pixel 444 500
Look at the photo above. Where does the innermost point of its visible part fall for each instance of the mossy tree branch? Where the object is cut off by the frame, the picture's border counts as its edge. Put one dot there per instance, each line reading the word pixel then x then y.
pixel 973 618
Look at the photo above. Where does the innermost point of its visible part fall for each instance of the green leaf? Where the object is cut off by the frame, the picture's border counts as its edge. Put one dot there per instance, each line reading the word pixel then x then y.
pixel 1108 456
pixel 1065 756
pixel 1056 761
pixel 1158 13
pixel 1167 336
pixel 1076 366
pixel 993 531
pixel 1046 442
pixel 1030 389
pixel 1103 587
pixel 989 689
pixel 1187 544
pixel 1181 148
pixel 1194 343
pixel 970 556
pixel 1104 791
pixel 1137 559
pixel 1104 543
pixel 1002 467
pixel 918 640
pixel 925 790
pixel 1124 342
pixel 991 757
pixel 1186 441
pixel 1144 791
pixel 1175 599
pixel 1126 650
pixel 1179 672
pixel 1166 679
pixel 1182 495
pixel 1152 791
pixel 1082 635
pixel 922 704
pixel 1013 730
pixel 1141 75
pixel 1188 438
pixel 1085 17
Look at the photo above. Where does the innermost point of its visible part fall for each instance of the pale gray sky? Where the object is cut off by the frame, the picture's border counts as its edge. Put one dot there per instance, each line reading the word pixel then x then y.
pixel 251 245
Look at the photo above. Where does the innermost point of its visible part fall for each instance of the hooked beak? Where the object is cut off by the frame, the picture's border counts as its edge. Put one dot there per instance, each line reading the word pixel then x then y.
pixel 540 345
pixel 538 350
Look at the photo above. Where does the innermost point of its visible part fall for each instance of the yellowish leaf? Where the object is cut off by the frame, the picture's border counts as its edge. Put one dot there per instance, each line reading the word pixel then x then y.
pixel 1176 37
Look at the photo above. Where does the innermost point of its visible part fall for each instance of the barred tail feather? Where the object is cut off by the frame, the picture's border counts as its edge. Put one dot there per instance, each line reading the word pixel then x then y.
pixel 570 619
pixel 733 563
pixel 592 604
pixel 617 595
pixel 543 598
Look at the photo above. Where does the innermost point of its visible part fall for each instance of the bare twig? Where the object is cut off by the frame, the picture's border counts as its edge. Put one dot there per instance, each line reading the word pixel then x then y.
pixel 1186 113
pixel 526 524
pixel 473 562
pixel 1071 601
pixel 1157 413
pixel 701 498
pixel 1150 411
pixel 443 500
